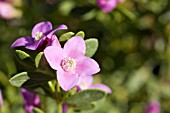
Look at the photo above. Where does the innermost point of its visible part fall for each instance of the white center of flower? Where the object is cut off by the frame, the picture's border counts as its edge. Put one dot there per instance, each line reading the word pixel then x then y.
pixel 83 85
pixel 68 64
pixel 39 35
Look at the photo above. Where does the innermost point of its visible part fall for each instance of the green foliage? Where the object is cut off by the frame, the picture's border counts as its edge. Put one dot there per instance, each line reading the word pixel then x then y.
pixel 91 46
pixel 81 34
pixel 19 79
pixel 28 79
pixel 38 58
pixel 86 97
pixel 66 36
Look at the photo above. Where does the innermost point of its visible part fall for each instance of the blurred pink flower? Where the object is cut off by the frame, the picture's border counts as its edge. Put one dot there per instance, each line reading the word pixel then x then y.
pixel 1 99
pixel 107 5
pixel 7 11
pixel 31 100
pixel 85 82
pixel 153 107
pixel 70 62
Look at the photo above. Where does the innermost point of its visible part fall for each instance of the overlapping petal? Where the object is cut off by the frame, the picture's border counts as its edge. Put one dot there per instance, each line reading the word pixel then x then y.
pixel 75 47
pixel 61 27
pixel 43 27
pixel 23 41
pixel 67 80
pixel 87 66
pixel 84 82
pixel 54 55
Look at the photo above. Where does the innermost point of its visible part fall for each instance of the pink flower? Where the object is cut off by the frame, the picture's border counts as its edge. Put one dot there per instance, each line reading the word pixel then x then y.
pixel 70 62
pixel 85 82
pixel 1 99
pixel 154 107
pixel 42 36
pixel 107 5
pixel 7 11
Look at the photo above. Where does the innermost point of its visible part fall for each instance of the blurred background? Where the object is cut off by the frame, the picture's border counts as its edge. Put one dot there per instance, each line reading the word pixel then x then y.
pixel 133 53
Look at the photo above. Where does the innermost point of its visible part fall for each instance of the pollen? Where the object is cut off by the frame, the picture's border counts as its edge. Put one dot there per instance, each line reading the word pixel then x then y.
pixel 68 64
pixel 38 36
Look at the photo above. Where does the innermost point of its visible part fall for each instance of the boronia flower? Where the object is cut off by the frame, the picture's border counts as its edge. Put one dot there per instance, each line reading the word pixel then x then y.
pixel 42 34
pixel 31 100
pixel 85 82
pixel 70 62
pixel 153 107
pixel 107 5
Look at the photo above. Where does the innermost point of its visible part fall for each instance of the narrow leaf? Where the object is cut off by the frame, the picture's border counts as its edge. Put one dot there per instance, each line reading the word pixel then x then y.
pixel 37 59
pixel 37 110
pixel 37 78
pixel 19 79
pixel 86 96
pixel 81 33
pixel 91 46
pixel 66 36
pixel 22 55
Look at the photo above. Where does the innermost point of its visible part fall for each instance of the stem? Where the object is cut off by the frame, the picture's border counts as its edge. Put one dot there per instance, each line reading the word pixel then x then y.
pixel 60 109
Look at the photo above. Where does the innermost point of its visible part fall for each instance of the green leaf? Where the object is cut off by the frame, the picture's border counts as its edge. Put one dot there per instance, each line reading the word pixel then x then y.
pixel 85 107
pixel 22 55
pixel 86 96
pixel 81 33
pixel 38 58
pixel 91 46
pixel 29 79
pixel 19 79
pixel 66 36
pixel 24 59
pixel 37 110
pixel 37 78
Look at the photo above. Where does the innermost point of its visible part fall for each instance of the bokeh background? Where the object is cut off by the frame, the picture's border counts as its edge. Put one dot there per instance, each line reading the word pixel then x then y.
pixel 133 53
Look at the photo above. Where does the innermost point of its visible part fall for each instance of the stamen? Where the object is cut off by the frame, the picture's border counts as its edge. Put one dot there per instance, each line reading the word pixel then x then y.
pixel 38 36
pixel 68 64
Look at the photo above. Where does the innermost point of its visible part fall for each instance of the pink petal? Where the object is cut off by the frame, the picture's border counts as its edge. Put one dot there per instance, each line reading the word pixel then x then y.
pixel 43 27
pixel 75 47
pixel 102 87
pixel 67 80
pixel 54 42
pixel 85 82
pixel 86 66
pixel 54 55
pixel 61 27
pixel 23 41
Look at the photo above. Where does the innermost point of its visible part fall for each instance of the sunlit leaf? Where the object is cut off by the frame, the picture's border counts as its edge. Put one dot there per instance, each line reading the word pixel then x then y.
pixel 91 46
pixel 19 79
pixel 66 36
pixel 81 34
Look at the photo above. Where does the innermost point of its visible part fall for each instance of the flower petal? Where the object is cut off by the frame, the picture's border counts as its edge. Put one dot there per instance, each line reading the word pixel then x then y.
pixel 84 82
pixel 61 27
pixel 67 80
pixel 102 87
pixel 23 41
pixel 43 27
pixel 75 47
pixel 54 55
pixel 86 66
pixel 54 42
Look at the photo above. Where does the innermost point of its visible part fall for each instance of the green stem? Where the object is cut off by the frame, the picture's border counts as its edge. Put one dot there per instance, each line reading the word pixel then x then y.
pixel 60 110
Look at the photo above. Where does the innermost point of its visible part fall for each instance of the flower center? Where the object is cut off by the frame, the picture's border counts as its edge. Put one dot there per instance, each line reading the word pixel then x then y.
pixel 68 64
pixel 38 36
